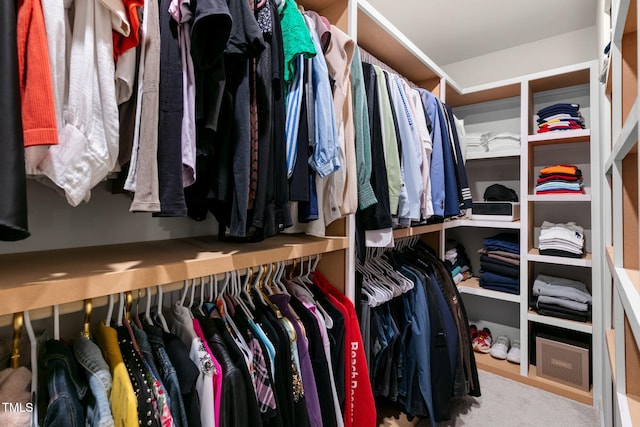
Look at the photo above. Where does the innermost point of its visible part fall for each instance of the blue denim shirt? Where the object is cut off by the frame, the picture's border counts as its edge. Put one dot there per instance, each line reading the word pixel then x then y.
pixel 325 153
pixel 66 387
pixel 89 357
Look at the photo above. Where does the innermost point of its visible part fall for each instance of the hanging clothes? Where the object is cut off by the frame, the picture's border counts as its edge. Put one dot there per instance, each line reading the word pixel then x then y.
pixel 13 202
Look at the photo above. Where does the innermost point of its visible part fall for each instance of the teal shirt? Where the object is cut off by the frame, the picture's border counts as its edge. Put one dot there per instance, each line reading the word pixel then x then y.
pixel 296 39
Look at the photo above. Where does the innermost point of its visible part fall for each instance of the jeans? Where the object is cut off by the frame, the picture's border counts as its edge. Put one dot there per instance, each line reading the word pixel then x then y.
pixel 66 388
pixel 89 357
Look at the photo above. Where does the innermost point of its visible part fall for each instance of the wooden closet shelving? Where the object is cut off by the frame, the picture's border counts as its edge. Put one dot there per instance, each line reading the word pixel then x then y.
pixel 621 243
pixel 514 102
pixel 60 275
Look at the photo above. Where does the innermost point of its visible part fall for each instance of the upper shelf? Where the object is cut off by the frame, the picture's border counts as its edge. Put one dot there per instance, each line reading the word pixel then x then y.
pixel 480 155
pixel 382 39
pixel 585 261
pixel 59 276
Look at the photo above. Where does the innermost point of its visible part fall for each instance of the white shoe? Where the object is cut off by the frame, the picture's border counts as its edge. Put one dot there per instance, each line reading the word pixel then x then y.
pixel 514 354
pixel 500 348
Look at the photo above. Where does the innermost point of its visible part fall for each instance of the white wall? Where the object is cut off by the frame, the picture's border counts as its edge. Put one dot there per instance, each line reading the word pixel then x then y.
pixel 566 49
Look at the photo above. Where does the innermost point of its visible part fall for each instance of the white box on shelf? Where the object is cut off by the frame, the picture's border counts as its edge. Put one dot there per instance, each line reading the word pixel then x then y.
pixel 495 211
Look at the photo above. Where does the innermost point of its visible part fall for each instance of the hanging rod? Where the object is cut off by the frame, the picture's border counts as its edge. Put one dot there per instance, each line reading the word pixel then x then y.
pixel 365 56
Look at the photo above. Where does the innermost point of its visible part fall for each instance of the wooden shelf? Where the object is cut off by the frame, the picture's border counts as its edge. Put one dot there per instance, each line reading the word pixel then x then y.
pixel 627 284
pixel 419 230
pixel 560 137
pixel 534 255
pixel 512 371
pixel 625 21
pixel 41 279
pixel 378 36
pixel 566 77
pixel 512 225
pixel 484 93
pixel 572 325
pixel 482 155
pixel 471 286
pixel 627 140
pixel 610 258
pixel 610 338
pixel 559 197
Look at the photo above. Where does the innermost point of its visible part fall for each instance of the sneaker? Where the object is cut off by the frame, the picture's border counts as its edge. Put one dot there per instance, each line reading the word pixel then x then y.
pixel 482 341
pixel 500 348
pixel 473 331
pixel 514 354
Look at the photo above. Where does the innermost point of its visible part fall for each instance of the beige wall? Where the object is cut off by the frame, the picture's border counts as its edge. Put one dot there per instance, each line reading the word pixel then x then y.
pixel 553 52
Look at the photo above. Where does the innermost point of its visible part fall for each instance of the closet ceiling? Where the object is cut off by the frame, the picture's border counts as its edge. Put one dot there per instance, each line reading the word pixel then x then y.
pixel 449 31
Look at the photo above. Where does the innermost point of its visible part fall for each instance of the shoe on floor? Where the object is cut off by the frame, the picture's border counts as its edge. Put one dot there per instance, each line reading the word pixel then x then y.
pixel 473 331
pixel 500 348
pixel 482 341
pixel 514 354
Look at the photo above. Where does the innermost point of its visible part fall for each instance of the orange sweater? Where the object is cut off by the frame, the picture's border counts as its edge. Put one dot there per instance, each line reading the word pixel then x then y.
pixel 565 169
pixel 36 87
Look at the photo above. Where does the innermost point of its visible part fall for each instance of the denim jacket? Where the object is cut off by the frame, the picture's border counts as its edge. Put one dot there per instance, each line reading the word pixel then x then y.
pixel 89 357
pixel 66 387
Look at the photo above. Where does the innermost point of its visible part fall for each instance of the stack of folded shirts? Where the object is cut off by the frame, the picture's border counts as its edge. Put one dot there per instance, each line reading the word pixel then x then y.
pixel 560 117
pixel 563 179
pixel 565 240
pixel 457 261
pixel 500 263
pixel 559 297
pixel 477 141
pixel 503 141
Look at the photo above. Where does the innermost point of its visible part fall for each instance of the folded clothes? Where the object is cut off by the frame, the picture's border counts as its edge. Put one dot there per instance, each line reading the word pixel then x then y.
pixel 560 107
pixel 578 317
pixel 559 178
pixel 511 271
pixel 508 242
pixel 491 277
pixel 501 253
pixel 501 288
pixel 556 185
pixel 561 287
pixel 556 252
pixel 560 169
pixel 564 303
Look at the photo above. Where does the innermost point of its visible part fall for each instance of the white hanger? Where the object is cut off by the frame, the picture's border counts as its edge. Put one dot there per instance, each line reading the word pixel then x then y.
pixel 120 309
pixel 161 319
pixel 185 289
pixel 107 321
pixel 147 311
pixel 34 364
pixel 56 322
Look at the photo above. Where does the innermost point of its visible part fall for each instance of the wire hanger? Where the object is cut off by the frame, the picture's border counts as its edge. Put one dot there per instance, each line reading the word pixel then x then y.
pixel 56 322
pixel 147 309
pixel 120 309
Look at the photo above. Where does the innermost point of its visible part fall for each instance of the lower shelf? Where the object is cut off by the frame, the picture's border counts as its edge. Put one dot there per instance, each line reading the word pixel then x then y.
pixel 472 286
pixel 512 371
pixel 561 323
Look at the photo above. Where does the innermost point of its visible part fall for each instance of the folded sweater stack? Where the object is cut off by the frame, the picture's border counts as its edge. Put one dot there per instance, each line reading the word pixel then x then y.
pixel 559 297
pixel 560 116
pixel 565 240
pixel 500 263
pixel 457 261
pixel 559 179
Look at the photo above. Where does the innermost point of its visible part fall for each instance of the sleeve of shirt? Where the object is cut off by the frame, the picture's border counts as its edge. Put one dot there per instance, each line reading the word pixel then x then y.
pixel 294 98
pixel 366 196
pixel 325 154
pixel 391 155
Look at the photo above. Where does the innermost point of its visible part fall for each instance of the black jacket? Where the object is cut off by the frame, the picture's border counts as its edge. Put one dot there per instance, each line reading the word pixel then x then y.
pixel 13 193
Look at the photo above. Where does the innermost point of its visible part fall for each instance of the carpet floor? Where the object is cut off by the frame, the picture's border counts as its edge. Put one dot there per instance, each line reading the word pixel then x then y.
pixel 508 403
